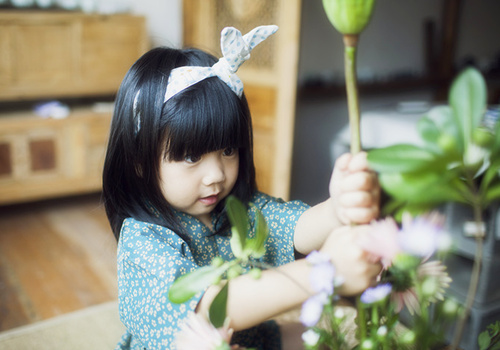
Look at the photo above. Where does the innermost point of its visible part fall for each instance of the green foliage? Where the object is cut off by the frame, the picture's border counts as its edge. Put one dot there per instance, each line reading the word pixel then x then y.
pixel 218 307
pixel 467 98
pixel 239 225
pixel 457 162
pixel 490 338
pixel 255 247
pixel 188 285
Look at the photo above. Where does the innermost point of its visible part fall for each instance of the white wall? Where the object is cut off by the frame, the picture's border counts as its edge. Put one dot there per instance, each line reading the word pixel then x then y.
pixel 395 25
pixel 164 19
pixel 393 42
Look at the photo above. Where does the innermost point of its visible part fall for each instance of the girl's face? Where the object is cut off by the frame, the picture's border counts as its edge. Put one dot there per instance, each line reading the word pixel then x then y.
pixel 196 185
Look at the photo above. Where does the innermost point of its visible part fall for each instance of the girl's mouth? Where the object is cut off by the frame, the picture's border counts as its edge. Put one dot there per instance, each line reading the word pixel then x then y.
pixel 210 200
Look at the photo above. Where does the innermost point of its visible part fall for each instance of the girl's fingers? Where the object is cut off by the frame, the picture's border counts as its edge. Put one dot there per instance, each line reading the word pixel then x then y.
pixel 358 162
pixel 342 162
pixel 358 215
pixel 360 181
pixel 358 199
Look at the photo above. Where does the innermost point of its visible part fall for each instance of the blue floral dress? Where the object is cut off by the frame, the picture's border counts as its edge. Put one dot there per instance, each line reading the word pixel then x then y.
pixel 151 257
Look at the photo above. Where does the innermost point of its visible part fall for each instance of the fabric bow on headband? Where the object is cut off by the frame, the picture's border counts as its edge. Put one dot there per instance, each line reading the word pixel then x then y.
pixel 235 50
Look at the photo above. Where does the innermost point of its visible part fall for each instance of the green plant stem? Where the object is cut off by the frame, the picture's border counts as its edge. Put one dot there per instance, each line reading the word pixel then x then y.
pixel 476 270
pixel 350 48
pixel 361 319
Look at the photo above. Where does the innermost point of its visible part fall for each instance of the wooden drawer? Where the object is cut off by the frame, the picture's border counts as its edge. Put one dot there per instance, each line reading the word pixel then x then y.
pixel 57 54
pixel 42 158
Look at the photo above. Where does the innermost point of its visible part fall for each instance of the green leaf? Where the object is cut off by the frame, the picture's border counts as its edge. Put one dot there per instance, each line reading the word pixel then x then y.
pixel 467 98
pixel 494 328
pixel 491 174
pixel 420 188
pixel 493 194
pixel 391 206
pixel 429 131
pixel 411 208
pixel 186 286
pixel 401 158
pixel 484 340
pixel 496 132
pixel 256 246
pixel 218 309
pixel 238 217
pixel 439 129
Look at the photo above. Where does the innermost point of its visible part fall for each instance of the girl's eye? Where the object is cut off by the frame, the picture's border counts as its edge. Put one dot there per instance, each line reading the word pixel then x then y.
pixel 229 151
pixel 192 159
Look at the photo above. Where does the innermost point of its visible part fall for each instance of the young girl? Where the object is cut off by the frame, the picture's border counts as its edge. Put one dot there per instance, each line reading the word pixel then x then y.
pixel 180 143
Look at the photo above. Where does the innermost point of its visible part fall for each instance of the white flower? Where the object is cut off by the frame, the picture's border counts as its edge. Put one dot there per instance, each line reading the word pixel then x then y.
pixel 310 337
pixel 382 331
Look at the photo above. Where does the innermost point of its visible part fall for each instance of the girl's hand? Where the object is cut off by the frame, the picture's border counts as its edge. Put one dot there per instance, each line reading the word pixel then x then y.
pixel 358 268
pixel 354 190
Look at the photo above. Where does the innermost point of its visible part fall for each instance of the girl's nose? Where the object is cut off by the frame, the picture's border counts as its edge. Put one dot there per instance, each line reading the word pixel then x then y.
pixel 214 171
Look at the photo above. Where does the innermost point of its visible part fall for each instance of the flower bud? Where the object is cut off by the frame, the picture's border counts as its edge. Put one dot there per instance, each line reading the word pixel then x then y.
pixel 217 261
pixel 408 337
pixel 310 337
pixel 483 137
pixel 474 157
pixel 367 344
pixel 447 143
pixel 382 332
pixel 450 307
pixel 349 16
pixel 234 272
pixel 430 287
pixel 255 273
pixel 339 314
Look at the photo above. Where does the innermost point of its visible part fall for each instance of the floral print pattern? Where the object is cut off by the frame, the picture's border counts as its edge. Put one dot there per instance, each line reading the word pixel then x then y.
pixel 151 257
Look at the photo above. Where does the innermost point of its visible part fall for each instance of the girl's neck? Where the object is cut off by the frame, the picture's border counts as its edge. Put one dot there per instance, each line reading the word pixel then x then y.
pixel 206 219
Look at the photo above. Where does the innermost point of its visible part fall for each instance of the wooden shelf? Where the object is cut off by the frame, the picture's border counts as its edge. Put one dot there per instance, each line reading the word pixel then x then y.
pixel 46 54
pixel 42 158
pixel 59 55
pixel 320 90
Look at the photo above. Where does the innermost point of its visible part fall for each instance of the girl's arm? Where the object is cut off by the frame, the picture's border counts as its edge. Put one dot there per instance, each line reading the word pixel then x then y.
pixel 252 301
pixel 354 198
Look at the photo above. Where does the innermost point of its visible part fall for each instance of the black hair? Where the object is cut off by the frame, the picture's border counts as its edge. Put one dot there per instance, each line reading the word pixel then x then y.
pixel 205 117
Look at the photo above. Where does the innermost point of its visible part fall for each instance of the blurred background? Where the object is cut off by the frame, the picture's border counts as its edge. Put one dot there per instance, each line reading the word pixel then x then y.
pixel 61 63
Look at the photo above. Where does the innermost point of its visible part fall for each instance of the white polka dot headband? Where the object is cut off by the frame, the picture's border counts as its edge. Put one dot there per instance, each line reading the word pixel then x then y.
pixel 235 50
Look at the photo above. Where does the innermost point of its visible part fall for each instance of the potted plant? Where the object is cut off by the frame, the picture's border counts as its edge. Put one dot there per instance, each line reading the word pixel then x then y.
pixel 458 162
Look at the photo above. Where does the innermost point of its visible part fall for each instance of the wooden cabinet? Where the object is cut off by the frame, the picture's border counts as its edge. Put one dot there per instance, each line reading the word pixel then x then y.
pixel 45 55
pixel 66 54
pixel 42 158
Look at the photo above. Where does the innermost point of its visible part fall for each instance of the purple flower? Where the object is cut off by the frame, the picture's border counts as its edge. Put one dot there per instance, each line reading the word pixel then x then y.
pixel 316 257
pixel 322 275
pixel 322 278
pixel 422 236
pixel 312 309
pixel 375 294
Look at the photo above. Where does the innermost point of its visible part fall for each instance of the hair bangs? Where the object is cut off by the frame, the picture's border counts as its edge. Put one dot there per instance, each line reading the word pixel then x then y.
pixel 206 117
